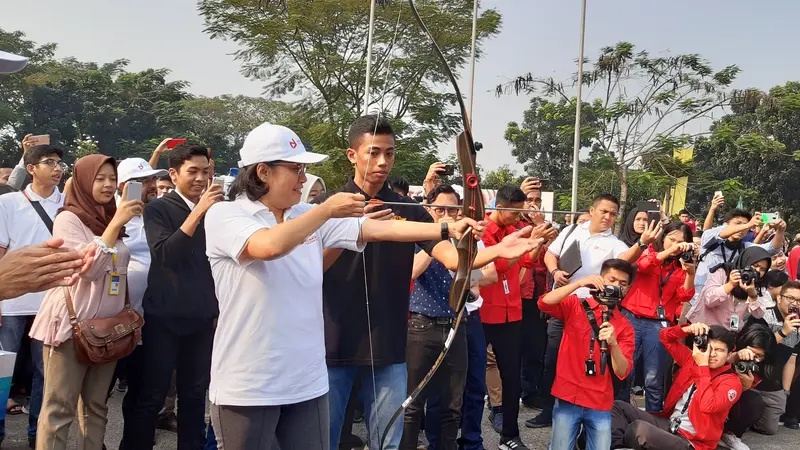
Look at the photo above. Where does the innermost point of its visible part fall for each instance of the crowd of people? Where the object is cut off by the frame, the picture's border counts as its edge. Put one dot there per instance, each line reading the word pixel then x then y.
pixel 294 311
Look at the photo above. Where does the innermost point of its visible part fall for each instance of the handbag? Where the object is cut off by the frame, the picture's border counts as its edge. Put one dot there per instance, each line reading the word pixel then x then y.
pixel 101 341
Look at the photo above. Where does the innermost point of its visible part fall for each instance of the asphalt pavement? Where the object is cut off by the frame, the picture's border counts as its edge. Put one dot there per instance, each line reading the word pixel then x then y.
pixel 535 439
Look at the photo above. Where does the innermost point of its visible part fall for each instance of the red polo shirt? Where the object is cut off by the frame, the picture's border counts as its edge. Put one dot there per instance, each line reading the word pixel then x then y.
pixel 571 383
pixel 643 297
pixel 502 301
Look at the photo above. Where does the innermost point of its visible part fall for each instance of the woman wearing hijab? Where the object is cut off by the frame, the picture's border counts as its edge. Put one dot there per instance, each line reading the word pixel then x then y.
pixel 727 300
pixel 89 216
pixel 312 188
pixel 635 224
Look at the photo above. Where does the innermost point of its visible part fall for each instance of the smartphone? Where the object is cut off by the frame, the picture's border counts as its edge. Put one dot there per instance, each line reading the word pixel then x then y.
pixel 449 170
pixel 770 217
pixel 134 191
pixel 718 194
pixel 172 143
pixel 653 211
pixel 41 139
pixel 219 180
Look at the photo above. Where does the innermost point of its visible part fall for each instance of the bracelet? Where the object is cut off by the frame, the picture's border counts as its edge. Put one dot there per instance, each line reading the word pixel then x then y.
pixel 103 247
pixel 780 333
pixel 641 244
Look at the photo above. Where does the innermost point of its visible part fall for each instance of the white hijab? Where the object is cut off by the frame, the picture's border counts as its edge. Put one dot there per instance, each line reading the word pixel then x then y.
pixel 311 180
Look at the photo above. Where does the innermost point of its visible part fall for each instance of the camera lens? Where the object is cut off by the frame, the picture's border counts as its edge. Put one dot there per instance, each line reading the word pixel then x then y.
pixel 701 342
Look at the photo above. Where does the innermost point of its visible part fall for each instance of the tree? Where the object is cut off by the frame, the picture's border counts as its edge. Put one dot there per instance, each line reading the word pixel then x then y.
pixel 316 51
pixel 495 179
pixel 645 104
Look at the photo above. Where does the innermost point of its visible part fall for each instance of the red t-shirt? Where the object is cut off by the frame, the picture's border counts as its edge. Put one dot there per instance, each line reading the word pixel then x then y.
pixel 502 301
pixel 643 297
pixel 571 383
pixel 692 224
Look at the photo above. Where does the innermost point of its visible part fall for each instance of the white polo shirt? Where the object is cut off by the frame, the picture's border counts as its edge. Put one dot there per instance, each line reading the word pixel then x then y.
pixel 595 249
pixel 269 347
pixel 21 225
pixel 139 265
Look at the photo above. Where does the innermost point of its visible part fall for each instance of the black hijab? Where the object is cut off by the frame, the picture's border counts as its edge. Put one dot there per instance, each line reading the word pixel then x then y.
pixel 747 258
pixel 626 234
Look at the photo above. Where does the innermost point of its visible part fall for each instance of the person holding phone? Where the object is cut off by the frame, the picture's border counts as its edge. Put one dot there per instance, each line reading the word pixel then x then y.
pixel 664 282
pixel 697 406
pixel 90 219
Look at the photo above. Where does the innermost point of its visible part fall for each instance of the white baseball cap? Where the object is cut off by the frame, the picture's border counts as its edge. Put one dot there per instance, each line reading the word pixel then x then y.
pixel 10 63
pixel 131 168
pixel 269 142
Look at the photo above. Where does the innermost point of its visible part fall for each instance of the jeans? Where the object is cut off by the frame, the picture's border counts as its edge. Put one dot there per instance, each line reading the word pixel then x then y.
pixel 567 421
pixel 211 439
pixel 555 331
pixel 12 331
pixel 474 390
pixel 534 345
pixel 426 340
pixel 655 359
pixel 390 386
pixel 505 341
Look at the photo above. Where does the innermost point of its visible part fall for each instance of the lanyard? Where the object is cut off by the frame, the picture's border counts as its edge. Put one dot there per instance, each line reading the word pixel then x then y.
pixel 663 282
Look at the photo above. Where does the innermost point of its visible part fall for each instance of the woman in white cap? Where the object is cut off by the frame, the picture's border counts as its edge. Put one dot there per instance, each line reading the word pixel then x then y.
pixel 268 374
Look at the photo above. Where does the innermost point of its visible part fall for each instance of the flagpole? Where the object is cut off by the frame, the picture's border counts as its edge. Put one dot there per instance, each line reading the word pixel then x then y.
pixel 577 144
pixel 369 55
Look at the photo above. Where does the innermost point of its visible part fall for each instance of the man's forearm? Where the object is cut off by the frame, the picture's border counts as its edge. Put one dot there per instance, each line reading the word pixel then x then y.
pixel 730 230
pixel 551 262
pixel 709 223
pixel 555 296
pixel 633 254
pixel 618 361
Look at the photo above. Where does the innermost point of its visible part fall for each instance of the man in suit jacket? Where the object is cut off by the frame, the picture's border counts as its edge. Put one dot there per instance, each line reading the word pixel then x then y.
pixel 180 304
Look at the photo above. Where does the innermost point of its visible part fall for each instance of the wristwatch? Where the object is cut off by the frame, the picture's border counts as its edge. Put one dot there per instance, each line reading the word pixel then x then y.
pixel 445 231
pixel 641 244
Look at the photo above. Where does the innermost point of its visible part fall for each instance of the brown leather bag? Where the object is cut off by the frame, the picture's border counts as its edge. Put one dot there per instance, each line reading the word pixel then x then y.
pixel 100 341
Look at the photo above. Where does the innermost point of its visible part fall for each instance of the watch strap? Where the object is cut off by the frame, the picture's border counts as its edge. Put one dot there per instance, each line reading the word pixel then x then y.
pixel 445 231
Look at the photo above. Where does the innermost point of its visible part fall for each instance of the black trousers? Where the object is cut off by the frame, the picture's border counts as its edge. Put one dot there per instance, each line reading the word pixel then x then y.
pixel 505 340
pixel 637 429
pixel 745 413
pixel 134 370
pixel 168 346
pixel 555 331
pixel 793 402
pixel 426 340
pixel 533 346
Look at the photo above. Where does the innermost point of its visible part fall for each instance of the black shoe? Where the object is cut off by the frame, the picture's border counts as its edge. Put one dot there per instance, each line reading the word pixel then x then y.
pixel 791 423
pixel 512 444
pixel 31 442
pixel 496 418
pixel 358 415
pixel 541 421
pixel 533 402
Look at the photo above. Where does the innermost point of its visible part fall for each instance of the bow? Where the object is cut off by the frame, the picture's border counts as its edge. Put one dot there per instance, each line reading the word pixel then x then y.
pixel 467 246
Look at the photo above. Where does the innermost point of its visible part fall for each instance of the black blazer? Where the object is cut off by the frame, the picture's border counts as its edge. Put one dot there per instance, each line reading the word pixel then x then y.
pixel 180 288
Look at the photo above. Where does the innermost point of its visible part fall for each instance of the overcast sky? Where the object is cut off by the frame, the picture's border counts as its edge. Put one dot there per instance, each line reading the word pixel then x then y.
pixel 539 36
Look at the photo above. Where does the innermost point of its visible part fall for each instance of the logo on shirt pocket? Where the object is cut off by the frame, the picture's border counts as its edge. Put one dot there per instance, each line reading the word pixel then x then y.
pixel 311 239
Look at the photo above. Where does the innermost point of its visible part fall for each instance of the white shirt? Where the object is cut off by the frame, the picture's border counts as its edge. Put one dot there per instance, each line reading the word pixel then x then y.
pixel 21 225
pixel 677 413
pixel 595 250
pixel 269 347
pixel 139 265
pixel 188 202
pixel 476 275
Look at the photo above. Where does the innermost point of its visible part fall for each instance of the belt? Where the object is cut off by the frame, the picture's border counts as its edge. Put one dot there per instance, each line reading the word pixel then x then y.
pixel 436 320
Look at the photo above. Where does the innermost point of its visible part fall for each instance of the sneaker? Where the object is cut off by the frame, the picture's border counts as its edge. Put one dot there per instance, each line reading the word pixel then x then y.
pixel 512 444
pixel 637 390
pixel 122 386
pixel 167 422
pixel 791 423
pixel 543 420
pixel 732 442
pixel 496 418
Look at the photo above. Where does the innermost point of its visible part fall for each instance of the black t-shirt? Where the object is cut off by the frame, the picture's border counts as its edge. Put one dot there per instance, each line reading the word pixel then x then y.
pixel 388 277
pixel 778 357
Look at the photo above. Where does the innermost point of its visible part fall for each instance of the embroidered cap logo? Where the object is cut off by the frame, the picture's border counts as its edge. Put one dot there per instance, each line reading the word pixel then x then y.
pixel 293 144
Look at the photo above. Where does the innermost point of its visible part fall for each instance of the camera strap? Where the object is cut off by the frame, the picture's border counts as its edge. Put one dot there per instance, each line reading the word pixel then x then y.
pixel 663 282
pixel 593 323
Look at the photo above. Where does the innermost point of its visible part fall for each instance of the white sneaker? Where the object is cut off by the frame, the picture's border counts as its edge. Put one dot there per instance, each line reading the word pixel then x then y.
pixel 732 442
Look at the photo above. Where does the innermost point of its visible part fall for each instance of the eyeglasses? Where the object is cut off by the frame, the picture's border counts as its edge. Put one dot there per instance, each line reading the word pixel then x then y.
pixel 52 163
pixel 791 300
pixel 441 210
pixel 298 168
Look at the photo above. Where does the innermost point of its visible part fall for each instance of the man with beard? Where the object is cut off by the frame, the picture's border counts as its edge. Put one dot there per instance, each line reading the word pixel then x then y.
pixel 26 218
pixel 130 368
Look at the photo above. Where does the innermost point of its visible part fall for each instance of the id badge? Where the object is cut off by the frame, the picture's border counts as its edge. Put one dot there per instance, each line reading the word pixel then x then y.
pixel 662 315
pixel 113 284
pixel 734 323
pixel 505 287
pixel 591 368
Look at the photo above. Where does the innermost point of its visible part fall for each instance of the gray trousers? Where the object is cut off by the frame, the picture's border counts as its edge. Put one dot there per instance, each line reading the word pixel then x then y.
pixel 302 426
pixel 774 407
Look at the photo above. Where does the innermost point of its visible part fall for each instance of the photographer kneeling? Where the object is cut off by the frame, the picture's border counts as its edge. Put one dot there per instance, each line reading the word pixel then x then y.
pixel 702 394
pixel 588 355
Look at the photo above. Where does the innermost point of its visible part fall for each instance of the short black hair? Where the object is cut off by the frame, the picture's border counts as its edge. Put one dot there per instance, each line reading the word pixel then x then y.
pixel 722 334
pixel 248 183
pixel 442 189
pixel 37 152
pixel 184 152
pixel 685 230
pixel 737 212
pixel 755 335
pixel 400 183
pixel 165 177
pixel 370 124
pixel 775 278
pixel 684 211
pixel 607 197
pixel 698 233
pixel 621 265
pixel 791 284
pixel 509 194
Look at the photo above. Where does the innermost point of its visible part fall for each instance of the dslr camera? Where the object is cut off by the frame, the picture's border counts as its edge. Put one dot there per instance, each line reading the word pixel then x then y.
pixel 609 293
pixel 749 275
pixel 701 342
pixel 687 256
pixel 747 366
